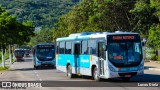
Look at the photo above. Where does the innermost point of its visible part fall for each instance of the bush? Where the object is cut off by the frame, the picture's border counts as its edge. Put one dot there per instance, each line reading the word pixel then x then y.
pixel 158 58
pixel 150 54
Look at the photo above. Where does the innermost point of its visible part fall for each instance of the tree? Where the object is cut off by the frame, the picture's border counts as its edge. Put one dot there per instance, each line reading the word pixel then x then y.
pixel 96 16
pixel 154 37
pixel 12 32
pixel 42 36
pixel 143 17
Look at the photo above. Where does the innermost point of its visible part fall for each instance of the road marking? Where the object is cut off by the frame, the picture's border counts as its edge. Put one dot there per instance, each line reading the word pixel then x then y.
pixel 40 79
pixel 37 75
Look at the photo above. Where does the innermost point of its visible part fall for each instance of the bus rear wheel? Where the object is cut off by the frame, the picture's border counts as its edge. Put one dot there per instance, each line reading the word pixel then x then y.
pixel 69 72
pixel 95 75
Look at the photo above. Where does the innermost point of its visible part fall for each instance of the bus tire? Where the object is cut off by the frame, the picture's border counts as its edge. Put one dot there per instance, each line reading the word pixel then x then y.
pixel 36 67
pixel 95 74
pixel 69 71
pixel 126 79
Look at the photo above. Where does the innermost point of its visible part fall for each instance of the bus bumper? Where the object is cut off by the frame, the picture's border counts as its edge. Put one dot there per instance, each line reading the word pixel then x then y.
pixel 45 63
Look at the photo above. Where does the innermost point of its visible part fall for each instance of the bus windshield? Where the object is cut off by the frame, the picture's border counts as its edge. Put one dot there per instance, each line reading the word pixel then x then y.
pixel 45 53
pixel 19 53
pixel 125 53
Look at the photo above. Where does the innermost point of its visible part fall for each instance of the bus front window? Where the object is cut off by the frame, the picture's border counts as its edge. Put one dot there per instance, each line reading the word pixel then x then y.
pixel 123 54
pixel 45 53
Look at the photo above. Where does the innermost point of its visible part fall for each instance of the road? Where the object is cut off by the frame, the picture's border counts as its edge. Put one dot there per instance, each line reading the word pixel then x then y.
pixel 24 71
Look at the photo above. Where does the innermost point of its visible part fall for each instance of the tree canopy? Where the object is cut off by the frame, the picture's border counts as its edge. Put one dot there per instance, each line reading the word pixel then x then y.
pixel 42 36
pixel 42 13
pixel 12 31
pixel 141 16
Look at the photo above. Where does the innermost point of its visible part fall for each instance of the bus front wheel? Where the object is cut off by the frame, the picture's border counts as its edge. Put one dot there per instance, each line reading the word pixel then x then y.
pixel 95 75
pixel 69 72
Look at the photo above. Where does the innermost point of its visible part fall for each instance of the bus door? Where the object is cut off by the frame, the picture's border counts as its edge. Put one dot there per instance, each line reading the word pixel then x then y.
pixel 101 57
pixel 76 57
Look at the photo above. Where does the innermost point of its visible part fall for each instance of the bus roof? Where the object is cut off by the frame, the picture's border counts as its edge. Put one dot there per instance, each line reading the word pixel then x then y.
pixel 45 44
pixel 89 35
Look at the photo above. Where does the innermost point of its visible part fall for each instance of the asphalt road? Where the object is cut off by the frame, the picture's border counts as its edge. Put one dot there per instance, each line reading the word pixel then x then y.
pixel 24 71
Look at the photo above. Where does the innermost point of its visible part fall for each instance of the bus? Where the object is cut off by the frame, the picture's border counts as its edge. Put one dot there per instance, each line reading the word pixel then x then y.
pixel 43 55
pixel 19 54
pixel 100 55
pixel 27 52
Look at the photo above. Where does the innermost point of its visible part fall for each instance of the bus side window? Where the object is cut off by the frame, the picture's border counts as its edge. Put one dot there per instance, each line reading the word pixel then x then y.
pixel 92 47
pixel 90 50
pixel 84 47
pixel 61 48
pixel 68 48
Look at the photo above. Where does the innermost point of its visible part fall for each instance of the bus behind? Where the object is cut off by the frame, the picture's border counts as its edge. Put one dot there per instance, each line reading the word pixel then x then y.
pixel 44 55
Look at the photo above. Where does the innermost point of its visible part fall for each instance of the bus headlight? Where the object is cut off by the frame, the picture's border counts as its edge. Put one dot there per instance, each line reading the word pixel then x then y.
pixel 38 61
pixel 111 68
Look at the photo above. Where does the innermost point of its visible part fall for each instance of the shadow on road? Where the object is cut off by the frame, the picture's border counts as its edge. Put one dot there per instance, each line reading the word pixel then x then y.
pixel 31 69
pixel 144 78
pixel 147 67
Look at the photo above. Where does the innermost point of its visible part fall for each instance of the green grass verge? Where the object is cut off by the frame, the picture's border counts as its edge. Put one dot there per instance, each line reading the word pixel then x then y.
pixel 13 60
pixel 3 68
pixel 6 56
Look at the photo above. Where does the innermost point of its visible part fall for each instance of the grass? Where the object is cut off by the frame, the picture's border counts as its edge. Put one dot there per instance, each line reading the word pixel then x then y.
pixel 3 68
pixel 6 56
pixel 13 60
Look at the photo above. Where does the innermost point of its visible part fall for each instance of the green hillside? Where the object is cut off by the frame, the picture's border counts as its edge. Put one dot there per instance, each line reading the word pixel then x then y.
pixel 43 13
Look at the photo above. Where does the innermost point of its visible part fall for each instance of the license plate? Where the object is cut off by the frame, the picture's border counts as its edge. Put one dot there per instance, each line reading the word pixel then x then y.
pixel 127 75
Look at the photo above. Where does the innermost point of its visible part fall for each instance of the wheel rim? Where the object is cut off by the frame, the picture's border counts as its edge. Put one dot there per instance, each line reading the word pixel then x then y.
pixel 68 73
pixel 95 75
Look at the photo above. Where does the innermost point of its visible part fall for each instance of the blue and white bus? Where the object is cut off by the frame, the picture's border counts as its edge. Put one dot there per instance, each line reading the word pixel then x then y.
pixel 19 54
pixel 100 55
pixel 44 55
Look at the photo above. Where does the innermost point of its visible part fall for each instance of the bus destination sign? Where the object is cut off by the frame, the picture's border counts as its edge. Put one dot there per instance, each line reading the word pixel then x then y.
pixel 45 46
pixel 123 37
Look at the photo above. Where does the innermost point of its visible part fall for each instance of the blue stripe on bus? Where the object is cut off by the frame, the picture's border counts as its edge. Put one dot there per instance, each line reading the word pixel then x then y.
pixel 82 60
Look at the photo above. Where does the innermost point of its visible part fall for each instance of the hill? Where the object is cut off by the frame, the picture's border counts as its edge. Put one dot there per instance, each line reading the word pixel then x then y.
pixel 43 13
